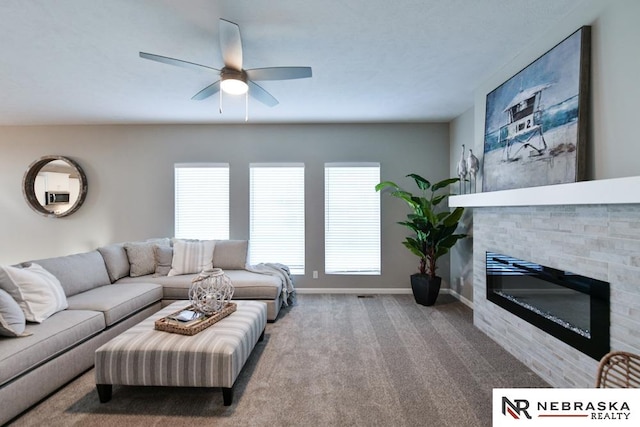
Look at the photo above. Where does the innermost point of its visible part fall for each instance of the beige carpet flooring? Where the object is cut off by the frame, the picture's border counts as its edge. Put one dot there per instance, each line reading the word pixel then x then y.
pixel 329 360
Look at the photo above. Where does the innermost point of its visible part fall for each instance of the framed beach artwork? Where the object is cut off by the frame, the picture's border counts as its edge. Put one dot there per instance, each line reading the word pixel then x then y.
pixel 536 122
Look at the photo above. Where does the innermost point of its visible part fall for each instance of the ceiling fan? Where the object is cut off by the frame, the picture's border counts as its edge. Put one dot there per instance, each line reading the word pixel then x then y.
pixel 234 79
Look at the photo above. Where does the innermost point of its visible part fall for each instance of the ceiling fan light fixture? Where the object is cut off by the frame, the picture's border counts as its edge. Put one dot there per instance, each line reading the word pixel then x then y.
pixel 234 80
pixel 234 83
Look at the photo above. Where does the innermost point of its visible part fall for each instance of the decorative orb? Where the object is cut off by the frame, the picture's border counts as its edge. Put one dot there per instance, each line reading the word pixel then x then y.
pixel 210 291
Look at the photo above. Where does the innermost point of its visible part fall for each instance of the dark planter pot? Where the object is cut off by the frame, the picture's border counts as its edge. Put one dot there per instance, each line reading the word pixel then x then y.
pixel 425 289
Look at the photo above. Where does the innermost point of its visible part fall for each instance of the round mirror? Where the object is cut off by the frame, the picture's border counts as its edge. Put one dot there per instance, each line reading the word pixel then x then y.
pixel 54 186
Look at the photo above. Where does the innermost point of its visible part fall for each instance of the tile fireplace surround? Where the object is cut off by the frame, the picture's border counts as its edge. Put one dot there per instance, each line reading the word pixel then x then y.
pixel 599 241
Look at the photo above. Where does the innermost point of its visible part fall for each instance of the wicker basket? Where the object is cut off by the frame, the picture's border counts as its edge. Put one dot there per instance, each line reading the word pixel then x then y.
pixel 167 324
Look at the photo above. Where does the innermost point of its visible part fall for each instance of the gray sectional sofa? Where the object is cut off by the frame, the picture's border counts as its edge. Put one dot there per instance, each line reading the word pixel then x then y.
pixel 104 298
pixel 151 262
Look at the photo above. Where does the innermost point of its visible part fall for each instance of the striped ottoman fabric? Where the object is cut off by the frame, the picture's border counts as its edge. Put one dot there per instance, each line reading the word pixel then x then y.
pixel 211 358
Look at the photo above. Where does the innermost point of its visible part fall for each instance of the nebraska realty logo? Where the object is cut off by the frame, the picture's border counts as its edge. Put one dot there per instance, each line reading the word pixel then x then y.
pixel 566 407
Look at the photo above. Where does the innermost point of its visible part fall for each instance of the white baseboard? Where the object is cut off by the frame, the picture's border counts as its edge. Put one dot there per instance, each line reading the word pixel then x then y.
pixel 459 297
pixel 373 291
pixel 358 291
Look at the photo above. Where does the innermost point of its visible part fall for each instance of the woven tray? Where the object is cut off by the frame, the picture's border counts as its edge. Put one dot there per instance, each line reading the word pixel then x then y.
pixel 174 326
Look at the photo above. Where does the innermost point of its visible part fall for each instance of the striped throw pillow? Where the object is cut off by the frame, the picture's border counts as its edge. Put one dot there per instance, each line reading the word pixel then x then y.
pixel 191 256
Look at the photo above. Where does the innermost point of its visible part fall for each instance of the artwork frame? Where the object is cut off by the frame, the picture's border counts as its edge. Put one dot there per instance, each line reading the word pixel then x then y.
pixel 536 122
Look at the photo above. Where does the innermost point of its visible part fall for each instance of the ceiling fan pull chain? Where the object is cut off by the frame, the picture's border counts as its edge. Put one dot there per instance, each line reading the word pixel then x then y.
pixel 220 106
pixel 246 106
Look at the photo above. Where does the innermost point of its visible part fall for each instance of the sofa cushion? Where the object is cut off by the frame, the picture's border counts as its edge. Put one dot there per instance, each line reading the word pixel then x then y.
pixel 78 272
pixel 117 301
pixel 163 256
pixel 37 292
pixel 116 260
pixel 247 285
pixel 59 333
pixel 191 256
pixel 12 320
pixel 230 254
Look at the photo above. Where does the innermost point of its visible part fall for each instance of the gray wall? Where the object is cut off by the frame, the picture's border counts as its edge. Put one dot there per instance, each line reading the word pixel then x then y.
pixel 613 150
pixel 461 132
pixel 130 174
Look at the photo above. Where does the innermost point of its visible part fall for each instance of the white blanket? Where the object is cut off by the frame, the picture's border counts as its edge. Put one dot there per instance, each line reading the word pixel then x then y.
pixel 278 270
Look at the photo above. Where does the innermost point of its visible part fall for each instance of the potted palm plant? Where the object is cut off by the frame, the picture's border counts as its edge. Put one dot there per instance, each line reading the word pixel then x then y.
pixel 434 231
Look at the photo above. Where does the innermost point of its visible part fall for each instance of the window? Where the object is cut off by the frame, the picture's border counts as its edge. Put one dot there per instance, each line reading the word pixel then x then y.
pixel 351 218
pixel 277 215
pixel 202 201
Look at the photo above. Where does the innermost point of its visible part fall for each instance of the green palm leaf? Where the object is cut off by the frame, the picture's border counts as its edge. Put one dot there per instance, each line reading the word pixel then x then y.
pixel 433 228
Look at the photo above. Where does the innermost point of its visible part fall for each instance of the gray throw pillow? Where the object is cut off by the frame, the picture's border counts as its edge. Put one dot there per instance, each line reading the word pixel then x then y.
pixel 163 256
pixel 116 260
pixel 142 260
pixel 230 254
pixel 12 320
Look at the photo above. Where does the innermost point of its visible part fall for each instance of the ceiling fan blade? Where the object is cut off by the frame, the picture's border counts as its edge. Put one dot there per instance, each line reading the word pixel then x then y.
pixel 207 91
pixel 231 44
pixel 279 73
pixel 261 95
pixel 176 62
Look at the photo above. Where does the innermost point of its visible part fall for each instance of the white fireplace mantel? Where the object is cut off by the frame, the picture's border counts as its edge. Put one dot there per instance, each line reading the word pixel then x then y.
pixel 598 192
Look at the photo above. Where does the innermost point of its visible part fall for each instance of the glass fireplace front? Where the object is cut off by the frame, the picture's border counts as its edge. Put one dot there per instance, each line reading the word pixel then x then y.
pixel 572 308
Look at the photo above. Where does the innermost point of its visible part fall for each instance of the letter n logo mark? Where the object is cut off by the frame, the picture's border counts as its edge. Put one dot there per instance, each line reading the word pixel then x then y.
pixel 516 408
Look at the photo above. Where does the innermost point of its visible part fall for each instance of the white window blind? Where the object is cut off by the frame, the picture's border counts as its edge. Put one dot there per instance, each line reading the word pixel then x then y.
pixel 352 218
pixel 201 201
pixel 277 215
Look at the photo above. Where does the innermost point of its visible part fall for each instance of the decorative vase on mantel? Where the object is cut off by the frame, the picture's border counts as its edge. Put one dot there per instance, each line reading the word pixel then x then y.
pixel 210 291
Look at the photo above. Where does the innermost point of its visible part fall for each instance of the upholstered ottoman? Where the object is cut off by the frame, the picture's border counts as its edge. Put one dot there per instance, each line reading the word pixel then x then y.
pixel 211 358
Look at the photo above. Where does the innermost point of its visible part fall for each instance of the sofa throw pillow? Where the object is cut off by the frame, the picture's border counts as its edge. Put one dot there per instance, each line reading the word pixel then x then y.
pixel 163 257
pixel 12 320
pixel 142 260
pixel 116 260
pixel 191 257
pixel 230 254
pixel 37 292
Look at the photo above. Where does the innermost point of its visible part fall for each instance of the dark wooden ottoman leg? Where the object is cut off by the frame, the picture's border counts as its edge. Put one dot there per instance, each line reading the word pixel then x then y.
pixel 104 392
pixel 262 336
pixel 227 395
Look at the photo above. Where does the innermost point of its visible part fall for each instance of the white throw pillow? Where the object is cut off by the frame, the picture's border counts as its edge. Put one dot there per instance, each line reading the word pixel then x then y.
pixel 191 256
pixel 37 292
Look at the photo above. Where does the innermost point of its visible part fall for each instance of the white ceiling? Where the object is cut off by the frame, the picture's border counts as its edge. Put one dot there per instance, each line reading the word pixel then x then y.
pixel 76 61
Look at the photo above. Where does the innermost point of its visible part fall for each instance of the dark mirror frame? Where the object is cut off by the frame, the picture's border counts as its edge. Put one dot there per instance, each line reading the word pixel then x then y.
pixel 28 186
